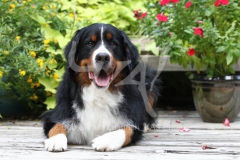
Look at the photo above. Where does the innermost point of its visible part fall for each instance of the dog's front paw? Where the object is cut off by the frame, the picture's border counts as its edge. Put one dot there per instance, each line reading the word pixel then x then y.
pixel 110 141
pixel 56 143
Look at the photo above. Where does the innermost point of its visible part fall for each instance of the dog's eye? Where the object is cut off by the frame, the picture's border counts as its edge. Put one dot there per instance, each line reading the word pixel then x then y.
pixel 90 44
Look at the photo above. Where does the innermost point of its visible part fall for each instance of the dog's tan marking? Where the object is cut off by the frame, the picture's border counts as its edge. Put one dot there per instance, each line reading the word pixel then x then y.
pixel 128 134
pixel 57 129
pixel 150 99
pixel 86 66
pixel 109 36
pixel 94 38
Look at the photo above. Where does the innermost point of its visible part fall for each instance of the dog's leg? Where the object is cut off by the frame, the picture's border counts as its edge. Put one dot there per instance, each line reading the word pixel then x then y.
pixel 113 140
pixel 57 140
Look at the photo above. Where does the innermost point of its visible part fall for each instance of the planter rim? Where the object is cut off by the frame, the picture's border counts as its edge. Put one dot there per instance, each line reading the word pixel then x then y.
pixel 200 77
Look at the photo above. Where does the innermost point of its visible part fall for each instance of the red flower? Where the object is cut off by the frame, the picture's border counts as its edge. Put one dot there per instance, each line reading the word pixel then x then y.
pixel 143 15
pixel 191 52
pixel 139 15
pixel 221 2
pixel 198 31
pixel 162 18
pixel 164 2
pixel 136 13
pixel 225 2
pixel 188 4
pixel 217 3
pixel 175 1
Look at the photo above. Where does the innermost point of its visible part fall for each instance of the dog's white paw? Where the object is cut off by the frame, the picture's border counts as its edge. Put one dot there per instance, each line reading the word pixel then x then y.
pixel 56 143
pixel 110 141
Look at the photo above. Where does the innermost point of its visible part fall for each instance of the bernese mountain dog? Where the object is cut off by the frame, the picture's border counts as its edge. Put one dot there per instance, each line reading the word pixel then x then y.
pixel 107 94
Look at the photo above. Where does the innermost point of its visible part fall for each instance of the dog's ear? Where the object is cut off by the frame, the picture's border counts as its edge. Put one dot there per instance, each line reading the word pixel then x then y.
pixel 131 51
pixel 71 48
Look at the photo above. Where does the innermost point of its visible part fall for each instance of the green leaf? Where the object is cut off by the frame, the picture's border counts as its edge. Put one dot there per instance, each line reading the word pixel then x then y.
pixel 237 52
pixel 152 47
pixel 52 65
pixel 38 18
pixel 50 102
pixel 51 33
pixel 50 84
pixel 229 58
pixel 220 49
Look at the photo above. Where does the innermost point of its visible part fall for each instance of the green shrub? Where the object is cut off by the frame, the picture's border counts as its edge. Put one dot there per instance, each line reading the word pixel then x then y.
pixel 24 54
pixel 33 34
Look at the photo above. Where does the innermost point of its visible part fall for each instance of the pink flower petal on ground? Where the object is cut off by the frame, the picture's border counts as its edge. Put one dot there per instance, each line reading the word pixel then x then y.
pixel 177 121
pixel 226 122
pixel 184 129
pixel 204 147
pixel 155 136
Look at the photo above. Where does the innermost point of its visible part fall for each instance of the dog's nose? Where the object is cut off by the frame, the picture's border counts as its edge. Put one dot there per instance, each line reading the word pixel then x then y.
pixel 102 57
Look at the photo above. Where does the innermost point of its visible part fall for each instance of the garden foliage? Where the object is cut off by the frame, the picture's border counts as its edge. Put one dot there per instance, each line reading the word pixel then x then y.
pixel 33 35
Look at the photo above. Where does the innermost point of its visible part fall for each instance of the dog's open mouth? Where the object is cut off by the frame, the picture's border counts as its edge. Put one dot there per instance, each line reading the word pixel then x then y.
pixel 102 79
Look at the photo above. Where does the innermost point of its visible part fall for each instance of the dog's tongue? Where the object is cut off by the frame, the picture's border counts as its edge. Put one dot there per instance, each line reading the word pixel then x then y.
pixel 103 79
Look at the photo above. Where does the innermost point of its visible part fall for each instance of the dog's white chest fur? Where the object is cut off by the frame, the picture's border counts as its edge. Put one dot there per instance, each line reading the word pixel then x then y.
pixel 100 115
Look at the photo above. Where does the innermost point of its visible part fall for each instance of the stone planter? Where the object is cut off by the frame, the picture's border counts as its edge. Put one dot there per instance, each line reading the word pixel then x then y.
pixel 218 98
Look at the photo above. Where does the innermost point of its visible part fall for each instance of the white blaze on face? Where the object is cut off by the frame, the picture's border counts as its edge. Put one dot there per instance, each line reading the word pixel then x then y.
pixel 100 49
pixel 100 77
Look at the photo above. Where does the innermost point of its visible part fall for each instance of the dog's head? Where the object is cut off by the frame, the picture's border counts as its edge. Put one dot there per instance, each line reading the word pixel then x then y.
pixel 99 50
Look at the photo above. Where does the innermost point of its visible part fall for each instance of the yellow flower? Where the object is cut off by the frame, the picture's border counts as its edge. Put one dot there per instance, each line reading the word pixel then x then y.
pixel 53 14
pixel 40 62
pixel 55 40
pixel 29 0
pixel 32 85
pixel 47 24
pixel 22 72
pixel 17 38
pixel 54 7
pixel 38 84
pixel 24 2
pixel 33 54
pixel 1 73
pixel 47 72
pixel 12 6
pixel 34 97
pixel 46 41
pixel 5 52
pixel 44 7
pixel 52 61
pixel 29 80
pixel 71 15
pixel 55 76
